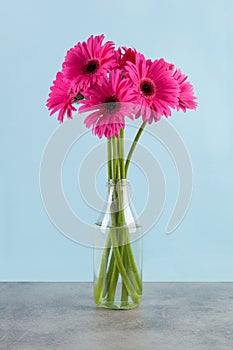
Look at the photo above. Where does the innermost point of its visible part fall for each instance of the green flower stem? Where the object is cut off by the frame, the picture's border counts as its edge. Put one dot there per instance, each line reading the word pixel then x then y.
pixel 124 292
pixel 99 291
pixel 99 287
pixel 123 250
pixel 130 288
pixel 113 273
pixel 128 246
pixel 113 277
pixel 109 274
pixel 133 266
pixel 134 144
pixel 121 153
pixel 116 167
pixel 117 220
pixel 133 271
pixel 113 282
pixel 109 155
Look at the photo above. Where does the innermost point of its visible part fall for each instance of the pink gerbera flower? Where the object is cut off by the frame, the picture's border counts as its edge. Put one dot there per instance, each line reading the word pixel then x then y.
pixel 88 61
pixel 186 97
pixel 62 97
pixel 155 90
pixel 111 99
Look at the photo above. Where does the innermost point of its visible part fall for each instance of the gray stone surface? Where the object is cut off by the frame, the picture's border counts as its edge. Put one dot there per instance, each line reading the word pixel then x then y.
pixel 181 316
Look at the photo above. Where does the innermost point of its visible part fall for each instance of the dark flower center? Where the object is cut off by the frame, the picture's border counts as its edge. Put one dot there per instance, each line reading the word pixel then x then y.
pixel 147 87
pixel 91 66
pixel 111 104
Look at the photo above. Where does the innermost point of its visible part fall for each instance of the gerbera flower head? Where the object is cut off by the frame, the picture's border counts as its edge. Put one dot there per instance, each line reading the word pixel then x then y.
pixel 110 100
pixel 88 61
pixel 155 90
pixel 186 96
pixel 62 97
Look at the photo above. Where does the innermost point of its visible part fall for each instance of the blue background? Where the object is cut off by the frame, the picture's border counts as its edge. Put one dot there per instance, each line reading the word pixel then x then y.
pixel 196 36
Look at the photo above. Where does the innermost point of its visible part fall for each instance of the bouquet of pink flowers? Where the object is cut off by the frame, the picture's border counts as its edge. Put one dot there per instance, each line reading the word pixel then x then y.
pixel 111 85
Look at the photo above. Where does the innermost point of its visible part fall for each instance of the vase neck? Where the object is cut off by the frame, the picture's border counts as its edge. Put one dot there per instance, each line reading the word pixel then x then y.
pixel 118 183
pixel 119 207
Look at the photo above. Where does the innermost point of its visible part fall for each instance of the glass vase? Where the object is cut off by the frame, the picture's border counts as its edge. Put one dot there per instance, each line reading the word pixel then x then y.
pixel 118 266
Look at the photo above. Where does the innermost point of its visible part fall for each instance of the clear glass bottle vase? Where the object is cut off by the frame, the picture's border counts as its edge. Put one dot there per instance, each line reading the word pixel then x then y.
pixel 118 266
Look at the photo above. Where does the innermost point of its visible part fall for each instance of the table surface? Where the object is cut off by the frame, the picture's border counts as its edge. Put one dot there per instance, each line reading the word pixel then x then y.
pixel 172 316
